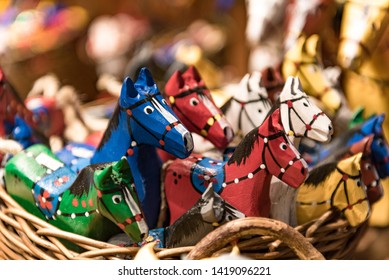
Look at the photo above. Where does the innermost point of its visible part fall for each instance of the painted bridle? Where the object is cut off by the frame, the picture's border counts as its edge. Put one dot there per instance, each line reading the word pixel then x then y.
pixel 155 103
pixel 199 90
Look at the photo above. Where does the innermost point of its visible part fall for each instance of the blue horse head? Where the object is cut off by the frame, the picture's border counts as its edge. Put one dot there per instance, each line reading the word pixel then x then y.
pixel 380 147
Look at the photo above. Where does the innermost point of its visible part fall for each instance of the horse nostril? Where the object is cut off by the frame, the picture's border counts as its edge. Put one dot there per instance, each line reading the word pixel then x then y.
pixel 228 132
pixel 188 141
pixel 330 127
pixel 302 170
pixel 142 235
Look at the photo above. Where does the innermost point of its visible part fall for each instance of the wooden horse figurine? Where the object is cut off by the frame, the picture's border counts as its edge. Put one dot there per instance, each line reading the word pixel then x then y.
pixel 363 55
pixel 334 185
pixel 193 104
pixel 244 179
pixel 141 122
pixel 98 202
pixel 209 212
pixel 304 61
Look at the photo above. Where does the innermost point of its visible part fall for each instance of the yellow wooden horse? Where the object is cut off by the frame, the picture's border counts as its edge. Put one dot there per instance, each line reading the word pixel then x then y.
pixel 334 185
pixel 364 56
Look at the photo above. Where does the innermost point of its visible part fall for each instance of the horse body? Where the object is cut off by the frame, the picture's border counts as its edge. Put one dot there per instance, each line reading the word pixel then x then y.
pixel 244 180
pixel 334 185
pixel 96 203
pixel 141 122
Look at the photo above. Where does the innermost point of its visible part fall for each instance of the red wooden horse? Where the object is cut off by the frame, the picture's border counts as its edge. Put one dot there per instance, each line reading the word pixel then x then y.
pixel 244 180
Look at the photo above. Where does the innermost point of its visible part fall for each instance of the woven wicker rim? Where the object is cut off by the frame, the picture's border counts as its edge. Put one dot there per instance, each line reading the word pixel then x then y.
pixel 24 236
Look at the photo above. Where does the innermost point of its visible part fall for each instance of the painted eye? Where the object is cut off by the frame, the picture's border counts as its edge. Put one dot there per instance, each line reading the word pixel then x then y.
pixel 193 101
pixel 359 183
pixel 117 199
pixel 148 110
pixel 305 104
pixel 260 111
pixel 283 146
pixel 380 143
pixel 164 101
pixel 368 166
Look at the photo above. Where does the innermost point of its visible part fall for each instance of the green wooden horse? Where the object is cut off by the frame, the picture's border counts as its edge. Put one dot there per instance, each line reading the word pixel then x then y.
pixel 98 202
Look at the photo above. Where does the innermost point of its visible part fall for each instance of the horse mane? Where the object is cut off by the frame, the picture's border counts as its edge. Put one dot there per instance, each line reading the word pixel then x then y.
pixel 245 147
pixel 112 125
pixel 84 180
pixel 188 226
pixel 320 173
pixel 275 106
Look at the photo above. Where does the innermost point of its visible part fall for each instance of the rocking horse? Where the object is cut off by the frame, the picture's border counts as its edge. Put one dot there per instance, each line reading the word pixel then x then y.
pixel 141 122
pixel 334 185
pixel 243 180
pixel 98 202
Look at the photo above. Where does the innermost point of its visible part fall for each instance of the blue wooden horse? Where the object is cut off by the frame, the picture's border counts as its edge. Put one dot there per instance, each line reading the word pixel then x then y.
pixel 141 122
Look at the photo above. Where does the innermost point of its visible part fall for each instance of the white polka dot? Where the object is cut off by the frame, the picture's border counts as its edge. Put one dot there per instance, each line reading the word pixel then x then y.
pixel 59 213
pixel 97 211
pixel 86 214
pixel 73 216
pixel 224 185
pixel 374 184
pixel 32 190
pixel 298 157
pixel 265 140
pixel 219 163
pixel 291 162
pixel 282 170
pixel 211 161
pixel 60 180
pixel 133 144
pixel 206 177
pixel 37 179
pixel 49 171
pixel 250 175
pixel 74 161
pixel 236 180
pixel 328 201
pixel 262 166
pixel 29 154
pixel 60 198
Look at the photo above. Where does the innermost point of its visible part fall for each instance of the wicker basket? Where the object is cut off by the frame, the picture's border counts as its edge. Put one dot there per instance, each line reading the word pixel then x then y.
pixel 24 236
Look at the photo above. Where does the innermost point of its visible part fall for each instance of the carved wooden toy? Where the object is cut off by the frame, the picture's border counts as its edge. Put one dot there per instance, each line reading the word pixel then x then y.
pixel 209 212
pixel 304 61
pixel 244 180
pixel 334 185
pixel 189 96
pixel 98 202
pixel 141 122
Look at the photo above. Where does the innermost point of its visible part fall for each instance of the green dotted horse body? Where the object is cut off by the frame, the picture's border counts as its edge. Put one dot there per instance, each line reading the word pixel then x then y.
pixel 97 203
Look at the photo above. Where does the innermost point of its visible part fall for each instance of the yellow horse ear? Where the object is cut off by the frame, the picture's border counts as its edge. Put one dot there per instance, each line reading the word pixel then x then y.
pixel 351 165
pixel 312 45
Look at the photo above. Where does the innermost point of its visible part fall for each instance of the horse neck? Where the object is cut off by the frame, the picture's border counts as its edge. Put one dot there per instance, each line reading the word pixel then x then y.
pixel 117 144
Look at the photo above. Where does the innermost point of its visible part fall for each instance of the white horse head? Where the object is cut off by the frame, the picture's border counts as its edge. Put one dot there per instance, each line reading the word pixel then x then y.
pixel 301 117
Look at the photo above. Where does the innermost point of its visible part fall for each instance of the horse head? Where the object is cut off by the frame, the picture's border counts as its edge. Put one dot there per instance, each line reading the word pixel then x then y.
pixel 299 116
pixel 362 27
pixel 304 61
pixel 280 157
pixel 209 212
pixel 118 200
pixel 249 105
pixel 152 121
pixel 193 104
pixel 334 185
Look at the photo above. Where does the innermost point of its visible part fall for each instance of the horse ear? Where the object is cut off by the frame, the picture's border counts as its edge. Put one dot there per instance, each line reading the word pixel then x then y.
pixel 122 168
pixel 244 85
pixel 145 80
pixel 128 91
pixel 193 72
pixel 351 165
pixel 312 45
pixel 255 84
pixel 287 91
pixel 100 176
pixel 207 211
pixel 174 84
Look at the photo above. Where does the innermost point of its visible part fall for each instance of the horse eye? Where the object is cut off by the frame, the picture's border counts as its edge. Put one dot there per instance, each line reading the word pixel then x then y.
pixel 283 146
pixel 259 110
pixel 359 183
pixel 164 101
pixel 148 110
pixel 193 101
pixel 367 166
pixel 380 143
pixel 305 104
pixel 117 199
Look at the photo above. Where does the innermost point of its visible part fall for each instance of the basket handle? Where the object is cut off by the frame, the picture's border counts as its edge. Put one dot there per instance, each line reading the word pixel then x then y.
pixel 227 233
